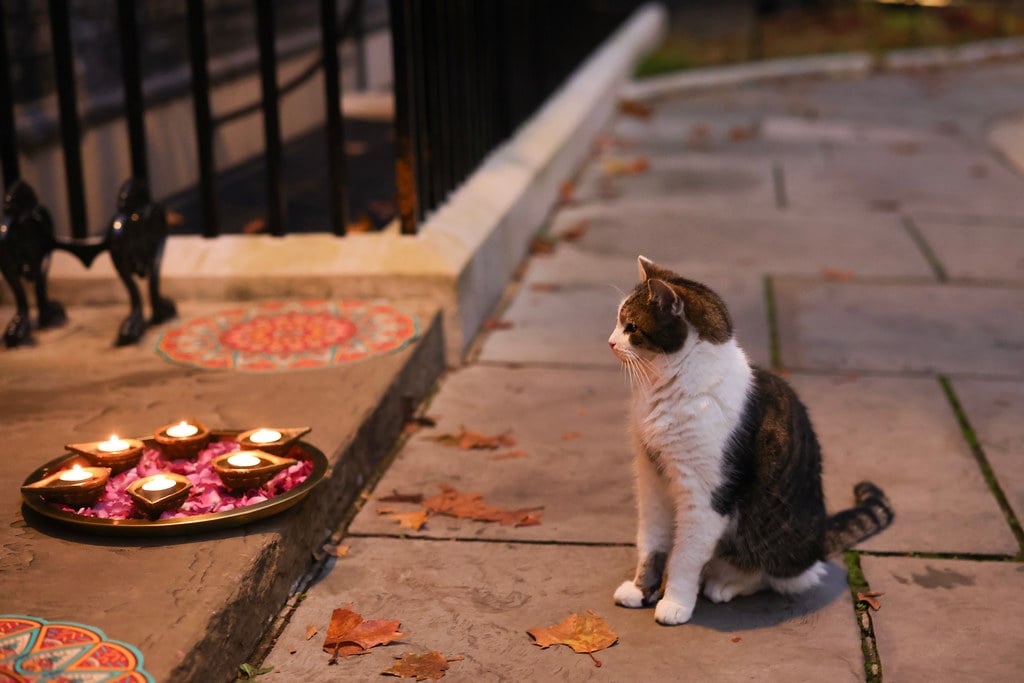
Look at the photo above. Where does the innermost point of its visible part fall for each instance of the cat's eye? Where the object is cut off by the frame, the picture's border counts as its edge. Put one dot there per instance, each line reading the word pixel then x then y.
pixel 629 328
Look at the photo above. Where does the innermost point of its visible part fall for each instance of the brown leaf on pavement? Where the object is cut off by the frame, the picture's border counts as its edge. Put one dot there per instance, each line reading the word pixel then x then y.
pixel 569 436
pixel 519 453
pixel 343 620
pixel 577 231
pixel 869 598
pixel 411 520
pixel 374 632
pixel 587 634
pixel 467 439
pixel 349 634
pixel 640 110
pixel 497 324
pixel 336 550
pixel 454 503
pixel 396 497
pixel 311 631
pixel 423 666
pixel 736 639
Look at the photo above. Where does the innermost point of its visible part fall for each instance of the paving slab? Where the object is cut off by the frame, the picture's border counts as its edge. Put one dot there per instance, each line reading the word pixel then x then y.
pixel 976 252
pixel 947 620
pixel 994 410
pixel 777 242
pixel 194 606
pixel 572 425
pixel 477 600
pixel 902 434
pixel 904 328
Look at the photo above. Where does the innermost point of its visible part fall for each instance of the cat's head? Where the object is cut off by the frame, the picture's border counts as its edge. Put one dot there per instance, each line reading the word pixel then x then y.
pixel 666 314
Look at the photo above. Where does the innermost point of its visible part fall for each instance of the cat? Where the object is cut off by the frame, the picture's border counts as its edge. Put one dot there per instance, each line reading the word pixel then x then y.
pixel 728 468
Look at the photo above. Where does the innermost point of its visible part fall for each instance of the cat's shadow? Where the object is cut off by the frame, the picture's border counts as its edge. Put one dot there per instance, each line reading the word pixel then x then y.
pixel 768 608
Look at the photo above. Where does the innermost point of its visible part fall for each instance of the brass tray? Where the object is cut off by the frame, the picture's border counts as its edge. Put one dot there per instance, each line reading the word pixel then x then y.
pixel 177 526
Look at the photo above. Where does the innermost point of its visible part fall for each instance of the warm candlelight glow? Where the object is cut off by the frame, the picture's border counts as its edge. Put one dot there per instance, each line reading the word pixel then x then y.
pixel 114 445
pixel 76 474
pixel 182 429
pixel 158 483
pixel 264 436
pixel 243 459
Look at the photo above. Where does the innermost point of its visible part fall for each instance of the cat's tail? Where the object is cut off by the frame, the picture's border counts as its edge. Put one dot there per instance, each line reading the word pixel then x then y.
pixel 871 514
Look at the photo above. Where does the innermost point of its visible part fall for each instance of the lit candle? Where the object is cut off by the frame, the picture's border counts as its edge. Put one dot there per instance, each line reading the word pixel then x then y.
pixel 114 445
pixel 76 474
pixel 182 430
pixel 158 483
pixel 244 459
pixel 264 436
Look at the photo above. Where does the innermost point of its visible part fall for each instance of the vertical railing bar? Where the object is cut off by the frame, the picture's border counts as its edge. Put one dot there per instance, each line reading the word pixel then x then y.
pixel 70 130
pixel 463 145
pixel 405 144
pixel 419 93
pixel 336 175
pixel 203 117
pixel 131 80
pixel 447 133
pixel 359 7
pixel 8 126
pixel 433 67
pixel 271 116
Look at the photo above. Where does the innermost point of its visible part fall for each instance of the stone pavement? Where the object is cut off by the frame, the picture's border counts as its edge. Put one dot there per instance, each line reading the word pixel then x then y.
pixel 871 247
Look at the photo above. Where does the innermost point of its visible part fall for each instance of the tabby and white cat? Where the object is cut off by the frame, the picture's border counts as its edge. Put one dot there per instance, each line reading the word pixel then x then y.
pixel 728 467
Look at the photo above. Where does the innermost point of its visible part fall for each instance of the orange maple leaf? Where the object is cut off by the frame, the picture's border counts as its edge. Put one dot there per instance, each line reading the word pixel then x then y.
pixel 422 666
pixel 587 634
pixel 410 520
pixel 348 634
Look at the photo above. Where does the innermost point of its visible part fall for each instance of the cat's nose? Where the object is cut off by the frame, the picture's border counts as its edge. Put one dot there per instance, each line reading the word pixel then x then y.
pixel 611 345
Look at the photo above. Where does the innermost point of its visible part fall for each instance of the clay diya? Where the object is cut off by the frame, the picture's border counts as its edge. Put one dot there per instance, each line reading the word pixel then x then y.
pixel 248 469
pixel 159 492
pixel 117 454
pixel 277 441
pixel 76 486
pixel 182 440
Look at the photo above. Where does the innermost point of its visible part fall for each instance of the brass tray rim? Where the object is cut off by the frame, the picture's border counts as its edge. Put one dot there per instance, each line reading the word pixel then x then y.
pixel 210 521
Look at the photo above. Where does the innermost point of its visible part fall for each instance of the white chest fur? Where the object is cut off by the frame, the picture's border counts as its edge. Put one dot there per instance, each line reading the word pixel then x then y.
pixel 685 417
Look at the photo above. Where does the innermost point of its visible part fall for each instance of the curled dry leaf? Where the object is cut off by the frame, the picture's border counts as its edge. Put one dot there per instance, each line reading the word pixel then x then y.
pixel 423 666
pixel 467 439
pixel 311 631
pixel 869 598
pixel 497 324
pixel 587 634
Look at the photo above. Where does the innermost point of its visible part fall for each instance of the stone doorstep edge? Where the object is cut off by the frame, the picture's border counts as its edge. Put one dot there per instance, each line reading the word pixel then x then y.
pixel 850 64
pixel 238 625
pixel 465 252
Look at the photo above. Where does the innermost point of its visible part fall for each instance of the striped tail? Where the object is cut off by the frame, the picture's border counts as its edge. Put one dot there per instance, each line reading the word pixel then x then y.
pixel 849 527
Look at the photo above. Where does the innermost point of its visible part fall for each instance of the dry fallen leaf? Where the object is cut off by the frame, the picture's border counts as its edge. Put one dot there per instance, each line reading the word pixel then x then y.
pixel 587 634
pixel 454 503
pixel 336 550
pixel 292 650
pixel 508 456
pixel 411 520
pixel 736 639
pixel 636 108
pixel 386 511
pixel 348 634
pixel 311 631
pixel 569 436
pixel 869 598
pixel 467 439
pixel 423 666
pixel 491 324
pixel 397 497
pixel 577 231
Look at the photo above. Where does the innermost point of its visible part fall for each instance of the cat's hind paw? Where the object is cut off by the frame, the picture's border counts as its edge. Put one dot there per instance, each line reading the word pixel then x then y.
pixel 671 613
pixel 629 595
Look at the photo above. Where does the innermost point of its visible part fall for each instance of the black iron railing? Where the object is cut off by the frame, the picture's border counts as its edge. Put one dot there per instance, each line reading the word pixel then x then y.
pixel 466 74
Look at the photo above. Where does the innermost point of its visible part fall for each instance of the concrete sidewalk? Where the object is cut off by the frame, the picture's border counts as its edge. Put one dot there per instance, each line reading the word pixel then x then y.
pixel 871 248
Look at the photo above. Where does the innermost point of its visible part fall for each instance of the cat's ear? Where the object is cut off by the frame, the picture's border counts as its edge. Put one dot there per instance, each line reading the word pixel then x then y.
pixel 664 296
pixel 648 269
pixel 644 266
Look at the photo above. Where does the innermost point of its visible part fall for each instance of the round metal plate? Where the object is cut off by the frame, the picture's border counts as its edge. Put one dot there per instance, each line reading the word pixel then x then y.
pixel 179 525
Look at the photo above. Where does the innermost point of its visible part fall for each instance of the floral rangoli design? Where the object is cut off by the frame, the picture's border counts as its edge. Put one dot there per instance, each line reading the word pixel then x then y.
pixel 294 335
pixel 34 650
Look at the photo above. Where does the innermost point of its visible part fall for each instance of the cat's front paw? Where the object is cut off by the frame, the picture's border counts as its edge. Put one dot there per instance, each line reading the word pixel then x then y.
pixel 629 595
pixel 671 613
